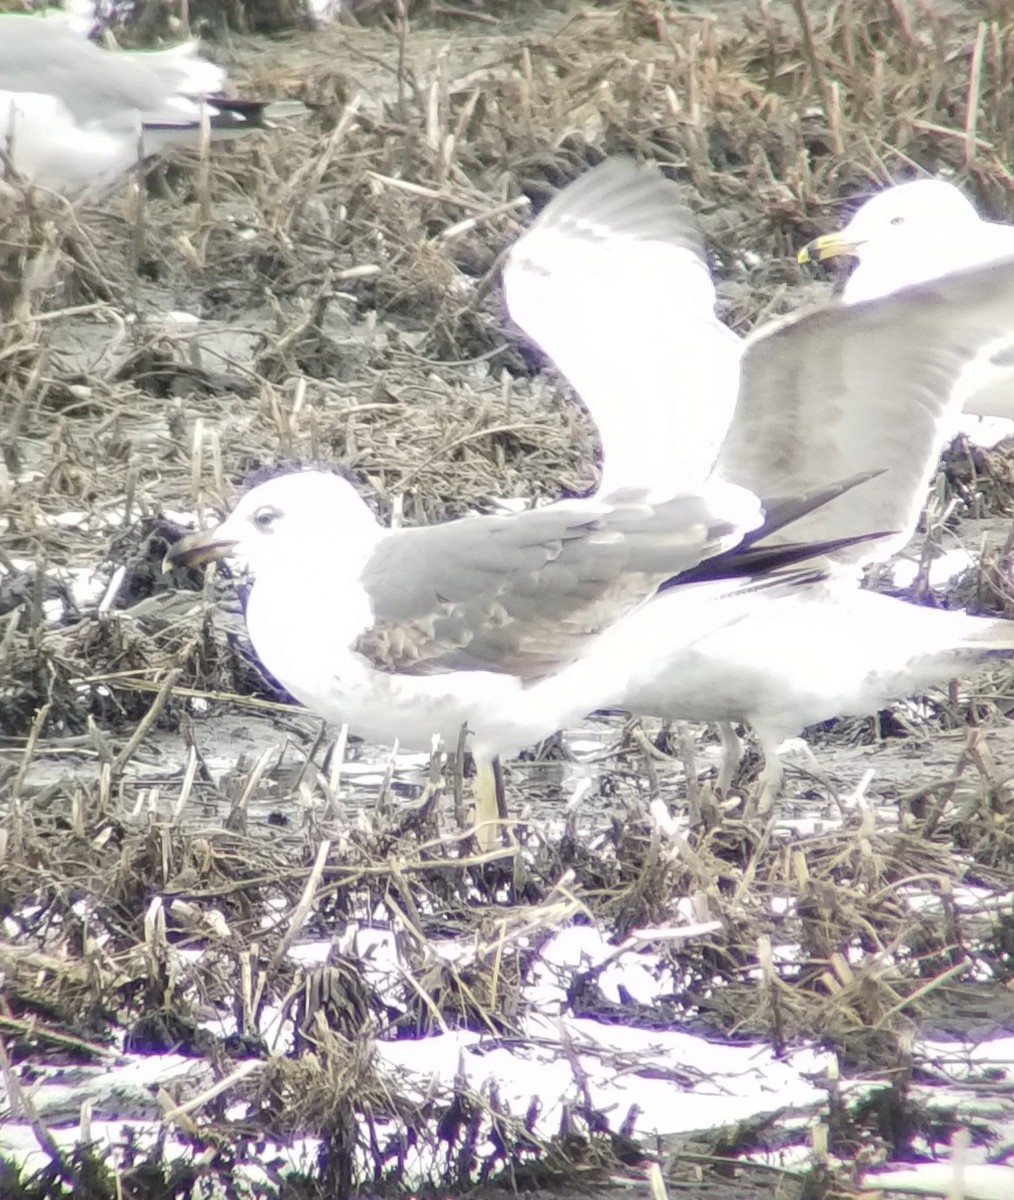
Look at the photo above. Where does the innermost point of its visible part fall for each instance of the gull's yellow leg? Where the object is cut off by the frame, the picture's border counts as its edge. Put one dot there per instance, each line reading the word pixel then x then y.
pixel 732 756
pixel 490 801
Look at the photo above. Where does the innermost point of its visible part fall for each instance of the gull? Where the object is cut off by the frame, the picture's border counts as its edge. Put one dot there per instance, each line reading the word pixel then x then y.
pixel 915 232
pixel 484 622
pixel 75 118
pixel 515 625
pixel 821 395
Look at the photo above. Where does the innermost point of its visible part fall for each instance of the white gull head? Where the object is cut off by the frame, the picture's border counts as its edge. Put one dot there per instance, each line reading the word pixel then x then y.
pixel 921 202
pixel 299 516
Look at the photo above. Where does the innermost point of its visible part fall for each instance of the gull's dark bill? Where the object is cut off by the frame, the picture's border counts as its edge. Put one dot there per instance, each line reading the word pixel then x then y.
pixel 197 549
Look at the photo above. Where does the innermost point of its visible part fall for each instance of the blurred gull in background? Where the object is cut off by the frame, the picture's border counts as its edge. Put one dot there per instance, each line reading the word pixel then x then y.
pixel 75 118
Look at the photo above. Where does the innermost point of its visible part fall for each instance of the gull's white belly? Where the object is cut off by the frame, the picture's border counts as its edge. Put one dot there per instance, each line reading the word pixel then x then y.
pixel 789 660
pixel 383 707
pixel 52 150
pixel 311 657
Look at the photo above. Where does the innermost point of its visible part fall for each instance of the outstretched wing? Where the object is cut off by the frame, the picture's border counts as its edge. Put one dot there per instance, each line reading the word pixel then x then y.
pixel 862 387
pixel 613 283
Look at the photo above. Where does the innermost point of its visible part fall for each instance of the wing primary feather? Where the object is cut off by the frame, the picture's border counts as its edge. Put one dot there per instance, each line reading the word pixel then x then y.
pixel 758 560
pixel 780 511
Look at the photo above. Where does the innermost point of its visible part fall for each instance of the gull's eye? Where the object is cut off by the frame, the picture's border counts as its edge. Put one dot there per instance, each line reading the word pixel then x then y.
pixel 897 220
pixel 265 517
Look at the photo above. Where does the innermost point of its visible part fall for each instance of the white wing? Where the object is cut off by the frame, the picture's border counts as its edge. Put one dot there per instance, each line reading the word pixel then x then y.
pixel 612 282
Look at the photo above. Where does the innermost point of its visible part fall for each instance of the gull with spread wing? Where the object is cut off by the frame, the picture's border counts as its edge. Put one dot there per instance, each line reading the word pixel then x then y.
pixel 824 395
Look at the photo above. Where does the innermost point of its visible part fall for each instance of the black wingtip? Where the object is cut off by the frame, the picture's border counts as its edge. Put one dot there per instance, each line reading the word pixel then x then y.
pixel 780 511
pixel 747 561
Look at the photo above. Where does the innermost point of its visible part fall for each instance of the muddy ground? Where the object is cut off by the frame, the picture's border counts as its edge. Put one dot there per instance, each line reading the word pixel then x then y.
pixel 170 827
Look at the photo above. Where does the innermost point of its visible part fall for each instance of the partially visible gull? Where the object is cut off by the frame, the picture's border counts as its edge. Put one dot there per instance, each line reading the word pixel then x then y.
pixel 75 118
pixel 823 395
pixel 783 659
pixel 483 621
pixel 915 232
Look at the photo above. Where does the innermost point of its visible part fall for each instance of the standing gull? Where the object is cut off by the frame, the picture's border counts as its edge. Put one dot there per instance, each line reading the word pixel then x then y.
pixel 73 116
pixel 915 232
pixel 490 622
pixel 823 395
pixel 483 621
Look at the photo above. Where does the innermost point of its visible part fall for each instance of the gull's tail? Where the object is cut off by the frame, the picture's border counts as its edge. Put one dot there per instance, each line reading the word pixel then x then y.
pixel 182 69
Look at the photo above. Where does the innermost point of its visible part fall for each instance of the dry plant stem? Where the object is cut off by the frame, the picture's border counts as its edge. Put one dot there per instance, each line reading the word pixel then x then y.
pixel 140 207
pixel 47 1143
pixel 308 764
pixel 243 1071
pixel 657 1185
pixel 827 94
pixel 931 985
pixel 334 779
pixel 772 986
pixel 26 759
pixel 384 794
pixel 944 792
pixel 465 13
pixel 189 775
pixel 100 742
pixel 402 16
pixel 32 1028
pixel 648 754
pixel 130 684
pixel 302 910
pixel 484 1012
pixel 203 183
pixel 252 782
pixel 750 871
pixel 11 1085
pixel 147 721
pixel 458 779
pixel 308 178
pixel 426 1000
pixel 248 1004
pixel 685 744
pixel 408 911
pixel 10 622
pixel 974 93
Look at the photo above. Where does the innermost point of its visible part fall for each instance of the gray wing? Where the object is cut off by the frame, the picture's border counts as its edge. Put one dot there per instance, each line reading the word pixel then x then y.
pixel 40 55
pixel 852 388
pixel 613 283
pixel 524 594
